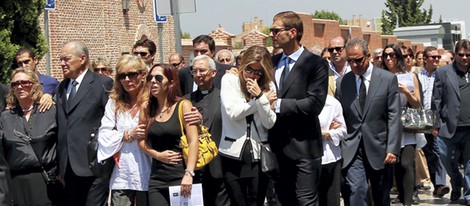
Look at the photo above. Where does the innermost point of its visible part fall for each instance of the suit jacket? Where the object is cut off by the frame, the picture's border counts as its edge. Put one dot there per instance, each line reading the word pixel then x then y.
pixel 75 123
pixel 379 126
pixel 5 198
pixel 212 120
pixel 446 100
pixel 187 82
pixel 297 131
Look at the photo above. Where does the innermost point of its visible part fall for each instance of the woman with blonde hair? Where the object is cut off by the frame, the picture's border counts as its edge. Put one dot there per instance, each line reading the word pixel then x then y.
pixel 247 100
pixel 119 131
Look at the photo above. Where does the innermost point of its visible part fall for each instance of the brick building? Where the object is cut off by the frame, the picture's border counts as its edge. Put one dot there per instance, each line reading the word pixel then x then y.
pixel 105 27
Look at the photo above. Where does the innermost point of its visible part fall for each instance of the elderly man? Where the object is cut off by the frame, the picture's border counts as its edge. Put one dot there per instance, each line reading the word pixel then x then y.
pixel 377 57
pixel 371 108
pixel 207 100
pixel 450 99
pixel 146 49
pixel 81 100
pixel 177 61
pixel 302 79
pixel 225 56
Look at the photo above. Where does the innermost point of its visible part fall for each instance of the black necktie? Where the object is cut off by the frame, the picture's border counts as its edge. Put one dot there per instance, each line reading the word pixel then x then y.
pixel 362 93
pixel 73 90
pixel 285 72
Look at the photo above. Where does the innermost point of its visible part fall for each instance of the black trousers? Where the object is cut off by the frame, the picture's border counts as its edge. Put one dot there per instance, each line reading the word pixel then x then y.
pixel 214 190
pixel 89 191
pixel 330 184
pixel 405 173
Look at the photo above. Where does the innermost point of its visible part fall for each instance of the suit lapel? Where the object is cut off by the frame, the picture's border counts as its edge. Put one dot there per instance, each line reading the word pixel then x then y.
pixel 351 91
pixel 293 73
pixel 276 58
pixel 375 82
pixel 83 89
pixel 454 80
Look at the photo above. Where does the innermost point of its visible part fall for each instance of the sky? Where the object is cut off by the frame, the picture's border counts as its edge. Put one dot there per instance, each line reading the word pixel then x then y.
pixel 231 14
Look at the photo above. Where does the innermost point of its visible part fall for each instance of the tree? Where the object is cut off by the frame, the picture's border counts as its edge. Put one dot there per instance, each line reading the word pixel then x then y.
pixel 269 41
pixel 186 35
pixel 328 15
pixel 406 13
pixel 19 27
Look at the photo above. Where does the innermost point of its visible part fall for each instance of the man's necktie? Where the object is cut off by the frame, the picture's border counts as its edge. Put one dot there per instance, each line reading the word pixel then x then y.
pixel 362 93
pixel 73 90
pixel 285 72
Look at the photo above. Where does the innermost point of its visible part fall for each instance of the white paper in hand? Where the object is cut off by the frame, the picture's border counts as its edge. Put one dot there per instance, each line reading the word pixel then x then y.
pixel 194 200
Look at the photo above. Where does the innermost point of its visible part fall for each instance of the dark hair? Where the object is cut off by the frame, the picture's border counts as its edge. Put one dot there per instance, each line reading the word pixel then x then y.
pixel 398 56
pixel 291 20
pixel 428 49
pixel 148 44
pixel 206 39
pixel 409 50
pixel 463 43
pixel 26 50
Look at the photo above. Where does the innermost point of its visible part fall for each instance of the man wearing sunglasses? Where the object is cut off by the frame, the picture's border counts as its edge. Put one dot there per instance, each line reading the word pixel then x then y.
pixel 225 56
pixel 371 108
pixel 177 61
pixel 81 99
pixel 202 44
pixel 338 63
pixel 450 99
pixel 302 81
pixel 146 49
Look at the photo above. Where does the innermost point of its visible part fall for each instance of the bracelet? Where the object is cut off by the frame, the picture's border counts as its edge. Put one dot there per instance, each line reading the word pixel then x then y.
pixel 259 95
pixel 190 172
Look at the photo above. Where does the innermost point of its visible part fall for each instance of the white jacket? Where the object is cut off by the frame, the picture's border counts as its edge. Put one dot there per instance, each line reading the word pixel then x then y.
pixel 234 110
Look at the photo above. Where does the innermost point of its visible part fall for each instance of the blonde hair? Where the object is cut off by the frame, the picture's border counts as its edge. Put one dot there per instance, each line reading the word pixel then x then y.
pixel 256 54
pixel 36 88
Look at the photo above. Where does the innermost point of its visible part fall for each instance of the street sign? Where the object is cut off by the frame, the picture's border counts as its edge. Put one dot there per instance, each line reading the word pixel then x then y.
pixel 165 7
pixel 158 19
pixel 50 5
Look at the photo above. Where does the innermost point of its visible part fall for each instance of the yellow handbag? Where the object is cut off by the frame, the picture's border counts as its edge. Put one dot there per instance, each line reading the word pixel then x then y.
pixel 207 148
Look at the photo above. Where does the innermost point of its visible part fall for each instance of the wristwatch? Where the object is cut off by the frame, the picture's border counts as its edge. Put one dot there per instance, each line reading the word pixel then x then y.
pixel 190 172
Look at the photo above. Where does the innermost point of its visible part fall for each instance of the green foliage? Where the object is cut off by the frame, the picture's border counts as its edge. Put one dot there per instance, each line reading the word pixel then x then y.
pixel 186 35
pixel 408 13
pixel 238 45
pixel 19 27
pixel 269 41
pixel 328 15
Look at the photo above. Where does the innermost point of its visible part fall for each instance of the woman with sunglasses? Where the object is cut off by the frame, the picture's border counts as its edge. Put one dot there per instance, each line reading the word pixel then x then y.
pixel 164 134
pixel 120 131
pixel 246 118
pixel 410 96
pixel 29 141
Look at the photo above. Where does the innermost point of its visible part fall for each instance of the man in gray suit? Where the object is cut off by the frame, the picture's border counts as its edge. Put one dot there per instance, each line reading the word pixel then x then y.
pixel 371 107
pixel 451 97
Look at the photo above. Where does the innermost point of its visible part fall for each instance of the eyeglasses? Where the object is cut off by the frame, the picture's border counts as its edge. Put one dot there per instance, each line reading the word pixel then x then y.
pixel 131 75
pixel 357 61
pixel 436 57
pixel 100 69
pixel 391 55
pixel 277 30
pixel 378 57
pixel 21 63
pixel 225 60
pixel 337 49
pixel 176 64
pixel 158 77
pixel 142 54
pixel 250 70
pixel 463 54
pixel 23 83
pixel 407 55
pixel 200 71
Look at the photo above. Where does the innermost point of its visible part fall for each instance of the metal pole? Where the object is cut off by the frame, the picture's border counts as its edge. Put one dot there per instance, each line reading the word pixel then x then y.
pixel 176 18
pixel 160 41
pixel 46 34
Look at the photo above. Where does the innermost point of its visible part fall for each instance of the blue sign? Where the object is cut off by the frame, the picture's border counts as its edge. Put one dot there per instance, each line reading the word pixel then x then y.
pixel 158 19
pixel 50 4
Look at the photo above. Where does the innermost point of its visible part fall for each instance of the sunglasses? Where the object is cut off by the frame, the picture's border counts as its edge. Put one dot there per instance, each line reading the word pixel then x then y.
pixel 391 55
pixel 131 75
pixel 250 70
pixel 158 77
pixel 337 49
pixel 436 57
pixel 102 69
pixel 408 55
pixel 23 83
pixel 176 64
pixel 200 71
pixel 277 30
pixel 357 61
pixel 225 60
pixel 142 54
pixel 21 63
pixel 463 54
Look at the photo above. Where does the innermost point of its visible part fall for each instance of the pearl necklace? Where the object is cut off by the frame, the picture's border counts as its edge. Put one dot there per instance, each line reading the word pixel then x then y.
pixel 27 110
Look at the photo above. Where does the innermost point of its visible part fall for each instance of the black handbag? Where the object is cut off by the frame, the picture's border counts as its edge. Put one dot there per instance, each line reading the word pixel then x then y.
pixel 99 169
pixel 268 160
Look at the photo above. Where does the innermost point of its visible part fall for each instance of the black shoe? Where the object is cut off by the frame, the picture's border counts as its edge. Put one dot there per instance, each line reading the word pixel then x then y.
pixel 467 202
pixel 441 191
pixel 396 200
pixel 455 196
pixel 415 199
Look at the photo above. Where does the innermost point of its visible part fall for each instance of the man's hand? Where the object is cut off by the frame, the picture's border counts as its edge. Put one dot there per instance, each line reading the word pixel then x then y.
pixel 334 125
pixel 390 158
pixel 193 117
pixel 232 70
pixel 45 103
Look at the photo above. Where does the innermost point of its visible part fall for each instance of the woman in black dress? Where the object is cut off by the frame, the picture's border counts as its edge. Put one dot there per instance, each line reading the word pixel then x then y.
pixel 29 140
pixel 163 136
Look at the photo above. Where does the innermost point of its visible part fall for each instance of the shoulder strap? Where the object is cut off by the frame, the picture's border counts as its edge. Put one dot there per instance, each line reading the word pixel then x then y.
pixel 180 115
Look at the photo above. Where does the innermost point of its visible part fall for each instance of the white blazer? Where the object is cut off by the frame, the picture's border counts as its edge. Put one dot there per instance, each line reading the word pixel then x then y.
pixel 234 110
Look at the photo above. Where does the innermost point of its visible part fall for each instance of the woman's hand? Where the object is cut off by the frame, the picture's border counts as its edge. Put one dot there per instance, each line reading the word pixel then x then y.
pixel 169 157
pixel 186 184
pixel 403 89
pixel 271 95
pixel 252 87
pixel 137 132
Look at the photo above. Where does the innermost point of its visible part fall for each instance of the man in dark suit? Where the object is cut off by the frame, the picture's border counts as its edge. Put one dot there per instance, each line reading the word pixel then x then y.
pixel 203 44
pixel 451 97
pixel 81 100
pixel 5 198
pixel 207 101
pixel 371 108
pixel 302 81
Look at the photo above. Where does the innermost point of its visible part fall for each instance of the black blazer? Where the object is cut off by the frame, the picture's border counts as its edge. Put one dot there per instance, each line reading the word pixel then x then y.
pixel 187 82
pixel 213 121
pixel 75 123
pixel 297 131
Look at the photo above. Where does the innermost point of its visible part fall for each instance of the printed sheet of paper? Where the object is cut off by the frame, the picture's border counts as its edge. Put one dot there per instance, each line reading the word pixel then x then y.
pixel 194 200
pixel 407 80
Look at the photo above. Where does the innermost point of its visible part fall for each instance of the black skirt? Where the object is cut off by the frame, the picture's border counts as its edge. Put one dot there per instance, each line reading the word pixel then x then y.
pixel 29 190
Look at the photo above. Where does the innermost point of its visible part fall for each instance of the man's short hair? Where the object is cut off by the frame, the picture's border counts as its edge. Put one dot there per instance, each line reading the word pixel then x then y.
pixel 463 43
pixel 79 49
pixel 179 56
pixel 428 49
pixel 357 42
pixel 377 52
pixel 147 43
pixel 26 50
pixel 102 60
pixel 206 39
pixel 209 60
pixel 232 56
pixel 291 20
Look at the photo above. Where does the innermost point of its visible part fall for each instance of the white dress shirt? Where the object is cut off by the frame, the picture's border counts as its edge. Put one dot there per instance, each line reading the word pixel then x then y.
pixel 331 148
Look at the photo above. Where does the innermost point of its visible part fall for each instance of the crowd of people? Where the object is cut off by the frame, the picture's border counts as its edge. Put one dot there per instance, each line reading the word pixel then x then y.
pixel 332 116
